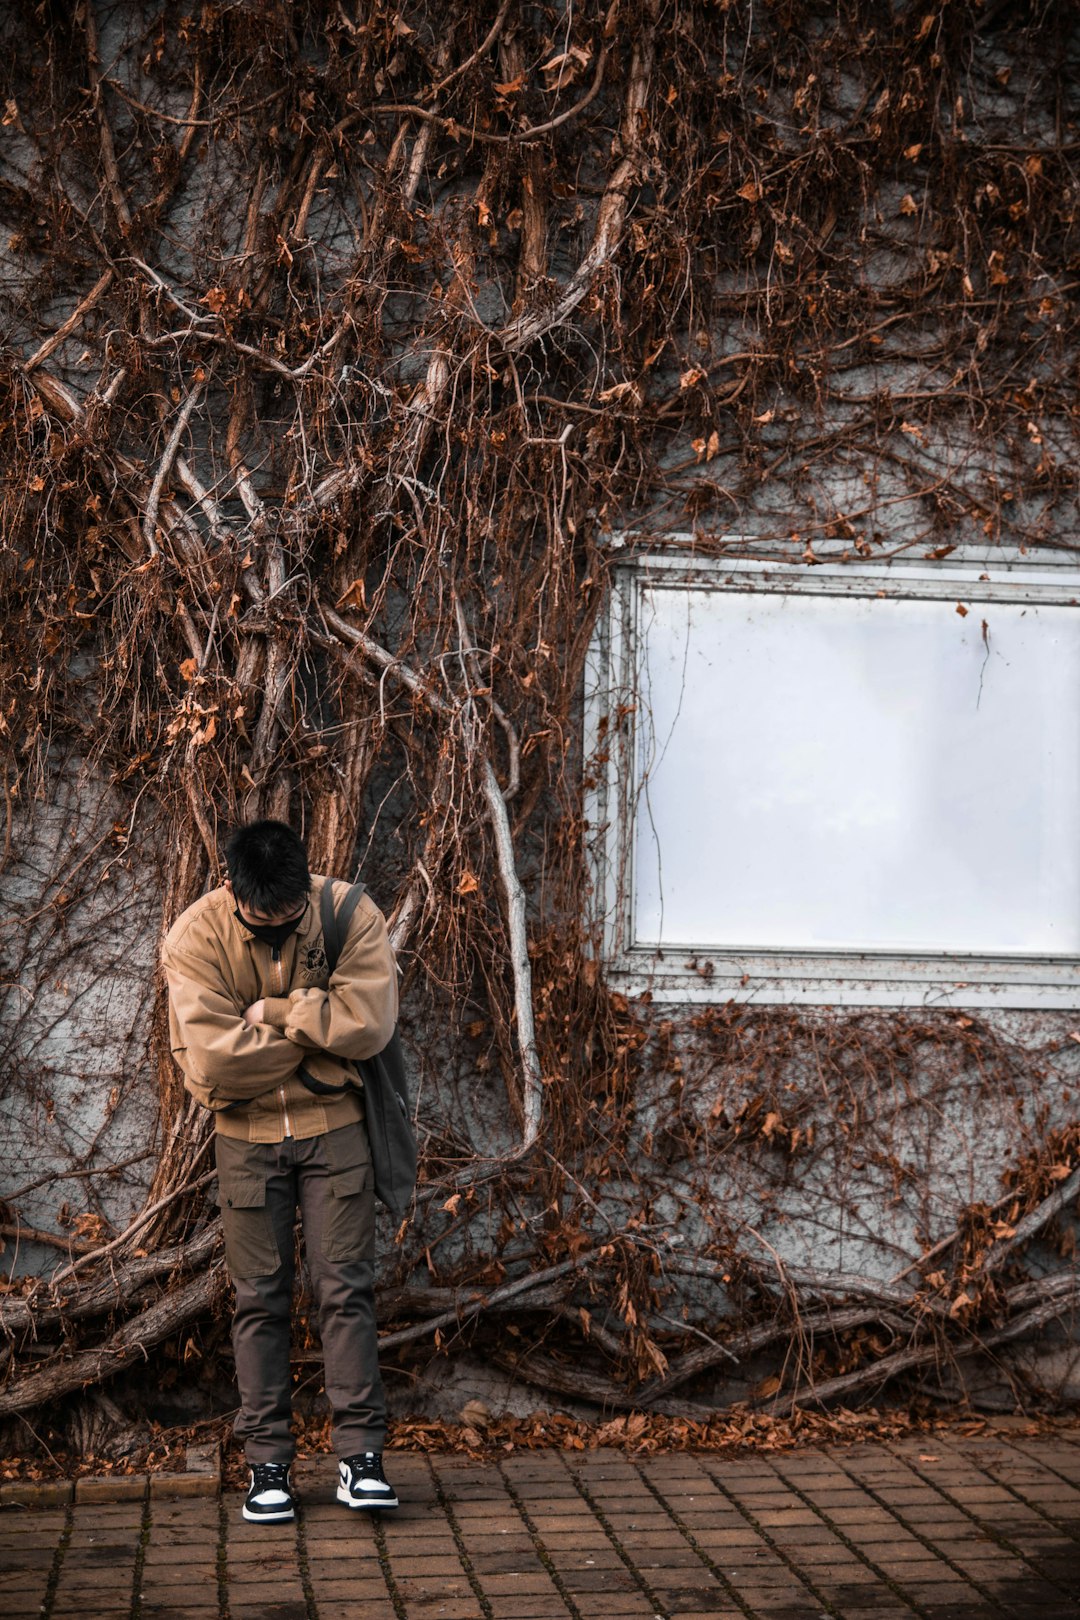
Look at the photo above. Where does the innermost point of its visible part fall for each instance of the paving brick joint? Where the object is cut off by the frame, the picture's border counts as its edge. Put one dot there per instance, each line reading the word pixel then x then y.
pixel 941 1528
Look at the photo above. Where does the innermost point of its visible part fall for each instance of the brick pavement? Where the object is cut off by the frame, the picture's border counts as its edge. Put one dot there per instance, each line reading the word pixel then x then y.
pixel 940 1527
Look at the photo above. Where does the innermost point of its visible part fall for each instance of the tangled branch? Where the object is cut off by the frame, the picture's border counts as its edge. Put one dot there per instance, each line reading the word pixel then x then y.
pixel 335 348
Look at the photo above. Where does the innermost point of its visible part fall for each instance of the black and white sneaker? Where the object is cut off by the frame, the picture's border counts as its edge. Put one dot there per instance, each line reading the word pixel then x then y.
pixel 362 1483
pixel 269 1499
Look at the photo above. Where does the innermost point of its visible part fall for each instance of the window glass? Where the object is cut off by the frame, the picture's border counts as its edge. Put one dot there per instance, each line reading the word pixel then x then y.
pixel 858 772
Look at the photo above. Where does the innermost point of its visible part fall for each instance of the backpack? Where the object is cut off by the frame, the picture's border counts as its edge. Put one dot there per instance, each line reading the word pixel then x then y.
pixel 385 1088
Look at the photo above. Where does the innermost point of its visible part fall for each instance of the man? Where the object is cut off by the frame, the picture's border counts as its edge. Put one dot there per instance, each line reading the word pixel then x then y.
pixel 269 1042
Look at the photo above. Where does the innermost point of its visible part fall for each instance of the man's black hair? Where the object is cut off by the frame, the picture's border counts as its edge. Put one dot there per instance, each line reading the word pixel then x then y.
pixel 268 867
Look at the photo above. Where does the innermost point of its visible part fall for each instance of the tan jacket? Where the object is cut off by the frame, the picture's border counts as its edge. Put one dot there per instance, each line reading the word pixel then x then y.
pixel 250 1075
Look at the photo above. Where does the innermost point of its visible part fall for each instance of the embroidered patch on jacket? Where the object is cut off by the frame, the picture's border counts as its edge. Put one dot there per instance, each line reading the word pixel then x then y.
pixel 315 963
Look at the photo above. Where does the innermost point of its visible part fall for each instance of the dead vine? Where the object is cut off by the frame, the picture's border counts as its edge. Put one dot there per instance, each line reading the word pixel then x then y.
pixel 337 341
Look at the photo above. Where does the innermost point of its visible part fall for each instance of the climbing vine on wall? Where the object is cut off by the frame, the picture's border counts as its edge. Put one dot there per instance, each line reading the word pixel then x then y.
pixel 338 339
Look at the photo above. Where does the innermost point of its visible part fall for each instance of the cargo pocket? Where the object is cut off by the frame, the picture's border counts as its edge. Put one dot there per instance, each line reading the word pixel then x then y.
pixel 250 1246
pixel 349 1223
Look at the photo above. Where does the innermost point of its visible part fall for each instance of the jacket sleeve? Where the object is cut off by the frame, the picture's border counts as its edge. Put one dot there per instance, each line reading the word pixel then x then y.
pixel 355 1017
pixel 227 1060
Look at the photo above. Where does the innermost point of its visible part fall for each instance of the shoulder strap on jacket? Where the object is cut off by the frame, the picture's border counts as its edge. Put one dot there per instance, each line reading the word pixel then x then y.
pixel 335 924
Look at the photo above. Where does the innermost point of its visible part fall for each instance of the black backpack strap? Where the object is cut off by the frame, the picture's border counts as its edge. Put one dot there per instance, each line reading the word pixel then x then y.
pixel 386 1094
pixel 335 924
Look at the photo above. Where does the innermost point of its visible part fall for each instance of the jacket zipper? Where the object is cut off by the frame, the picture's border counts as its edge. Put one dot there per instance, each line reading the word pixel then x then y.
pixel 287 1123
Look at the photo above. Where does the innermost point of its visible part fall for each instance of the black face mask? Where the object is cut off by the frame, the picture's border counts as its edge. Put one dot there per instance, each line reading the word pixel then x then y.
pixel 272 934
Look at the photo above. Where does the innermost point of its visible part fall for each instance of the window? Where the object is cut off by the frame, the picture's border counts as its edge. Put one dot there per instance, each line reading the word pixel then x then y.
pixel 846 783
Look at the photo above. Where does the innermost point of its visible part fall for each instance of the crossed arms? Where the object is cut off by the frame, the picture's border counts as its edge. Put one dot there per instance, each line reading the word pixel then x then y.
pixel 233 1054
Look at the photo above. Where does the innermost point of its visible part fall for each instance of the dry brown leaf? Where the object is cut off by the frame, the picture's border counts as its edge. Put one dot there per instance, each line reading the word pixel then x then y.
pixel 622 390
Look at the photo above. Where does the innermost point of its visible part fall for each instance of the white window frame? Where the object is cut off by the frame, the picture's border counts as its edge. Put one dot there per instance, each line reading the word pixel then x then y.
pixel 823 978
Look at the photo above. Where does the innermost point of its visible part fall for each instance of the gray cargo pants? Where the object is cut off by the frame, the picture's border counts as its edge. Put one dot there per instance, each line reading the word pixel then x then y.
pixel 260 1185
